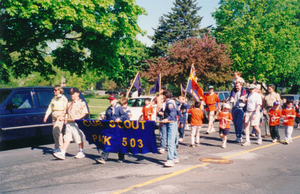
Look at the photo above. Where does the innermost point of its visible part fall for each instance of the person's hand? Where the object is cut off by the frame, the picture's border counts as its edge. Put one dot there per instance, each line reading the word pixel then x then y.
pixel 118 120
pixel 45 120
pixel 160 113
pixel 254 116
pixel 164 120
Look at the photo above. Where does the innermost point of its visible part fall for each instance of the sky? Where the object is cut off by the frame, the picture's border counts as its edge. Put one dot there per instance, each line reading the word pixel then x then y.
pixel 156 9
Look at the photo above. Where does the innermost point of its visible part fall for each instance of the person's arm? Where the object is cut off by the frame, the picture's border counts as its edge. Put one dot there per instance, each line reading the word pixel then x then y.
pixel 48 112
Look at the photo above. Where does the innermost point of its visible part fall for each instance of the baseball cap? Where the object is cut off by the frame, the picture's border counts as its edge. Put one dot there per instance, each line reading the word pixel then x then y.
pixel 73 90
pixel 225 105
pixel 112 97
pixel 252 86
pixel 210 87
pixel 276 103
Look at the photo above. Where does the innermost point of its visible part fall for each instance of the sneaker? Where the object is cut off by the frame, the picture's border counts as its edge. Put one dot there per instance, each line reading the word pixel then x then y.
pixel 224 145
pixel 161 150
pixel 120 161
pixel 180 140
pixel 247 143
pixel 192 145
pixel 274 140
pixel 100 160
pixel 197 144
pixel 239 140
pixel 169 163
pixel 176 160
pixel 266 136
pixel 212 130
pixel 259 141
pixel 80 155
pixel 59 155
pixel 253 135
pixel 207 132
pixel 56 150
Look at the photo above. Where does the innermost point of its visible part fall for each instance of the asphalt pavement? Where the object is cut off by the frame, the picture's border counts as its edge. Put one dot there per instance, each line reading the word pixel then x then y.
pixel 267 168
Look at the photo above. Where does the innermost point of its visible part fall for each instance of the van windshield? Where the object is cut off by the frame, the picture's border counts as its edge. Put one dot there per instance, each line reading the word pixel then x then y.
pixel 4 93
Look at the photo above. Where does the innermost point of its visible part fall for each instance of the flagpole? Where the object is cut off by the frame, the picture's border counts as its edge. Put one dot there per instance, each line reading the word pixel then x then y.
pixel 159 83
pixel 181 89
pixel 127 94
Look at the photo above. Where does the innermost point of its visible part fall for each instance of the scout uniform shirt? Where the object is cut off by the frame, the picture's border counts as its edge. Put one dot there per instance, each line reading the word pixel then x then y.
pixel 76 108
pixel 58 103
pixel 211 100
pixel 271 98
pixel 113 112
pixel 224 124
pixel 288 121
pixel 275 113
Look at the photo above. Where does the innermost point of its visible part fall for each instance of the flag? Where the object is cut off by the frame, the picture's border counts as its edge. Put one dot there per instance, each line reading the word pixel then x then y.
pixel 137 84
pixel 156 86
pixel 192 86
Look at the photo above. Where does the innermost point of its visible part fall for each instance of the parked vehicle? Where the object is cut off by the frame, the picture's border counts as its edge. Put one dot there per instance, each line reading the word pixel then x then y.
pixel 22 111
pixel 293 97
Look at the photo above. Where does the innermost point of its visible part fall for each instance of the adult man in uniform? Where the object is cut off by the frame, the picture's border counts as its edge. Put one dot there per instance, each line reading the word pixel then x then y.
pixel 269 100
pixel 77 109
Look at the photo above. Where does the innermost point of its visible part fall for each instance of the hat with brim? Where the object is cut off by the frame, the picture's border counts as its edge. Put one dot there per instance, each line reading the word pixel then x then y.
pixel 210 87
pixel 252 86
pixel 226 106
pixel 73 90
pixel 276 103
pixel 112 97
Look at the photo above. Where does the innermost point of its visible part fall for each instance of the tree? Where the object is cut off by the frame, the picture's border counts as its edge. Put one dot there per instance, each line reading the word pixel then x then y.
pixel 91 35
pixel 182 23
pixel 263 36
pixel 211 60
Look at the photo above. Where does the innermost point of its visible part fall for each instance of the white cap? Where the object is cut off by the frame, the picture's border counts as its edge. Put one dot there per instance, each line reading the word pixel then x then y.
pixel 225 105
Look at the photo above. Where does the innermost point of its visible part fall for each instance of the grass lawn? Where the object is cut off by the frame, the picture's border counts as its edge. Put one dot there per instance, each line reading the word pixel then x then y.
pixel 97 105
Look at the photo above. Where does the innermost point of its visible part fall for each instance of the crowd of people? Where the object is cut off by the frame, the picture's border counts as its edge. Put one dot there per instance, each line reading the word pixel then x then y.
pixel 247 104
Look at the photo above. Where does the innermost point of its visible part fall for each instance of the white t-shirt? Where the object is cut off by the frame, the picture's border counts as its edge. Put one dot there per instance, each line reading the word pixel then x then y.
pixel 254 99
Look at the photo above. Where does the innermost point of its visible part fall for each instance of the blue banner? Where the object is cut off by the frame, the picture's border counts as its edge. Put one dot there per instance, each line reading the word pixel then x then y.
pixel 124 136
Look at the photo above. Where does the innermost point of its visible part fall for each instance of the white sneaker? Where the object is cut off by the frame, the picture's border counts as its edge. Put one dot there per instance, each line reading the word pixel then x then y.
pixel 56 150
pixel 161 150
pixel 247 143
pixel 60 155
pixel 100 160
pixel 259 141
pixel 224 145
pixel 176 160
pixel 169 163
pixel 212 130
pixel 80 155
pixel 274 140
pixel 180 140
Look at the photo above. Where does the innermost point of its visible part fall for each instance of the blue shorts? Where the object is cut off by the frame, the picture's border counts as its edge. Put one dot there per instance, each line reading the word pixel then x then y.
pixel 224 131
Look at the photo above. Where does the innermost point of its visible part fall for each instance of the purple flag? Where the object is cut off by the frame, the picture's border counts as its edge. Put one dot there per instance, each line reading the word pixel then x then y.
pixel 155 87
pixel 137 84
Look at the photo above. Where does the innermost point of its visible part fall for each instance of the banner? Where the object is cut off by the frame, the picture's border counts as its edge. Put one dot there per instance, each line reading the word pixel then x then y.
pixel 192 86
pixel 124 136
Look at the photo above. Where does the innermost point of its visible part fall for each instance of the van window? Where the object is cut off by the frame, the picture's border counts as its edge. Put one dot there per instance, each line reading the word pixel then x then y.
pixel 21 100
pixel 221 97
pixel 4 93
pixel 226 95
pixel 44 97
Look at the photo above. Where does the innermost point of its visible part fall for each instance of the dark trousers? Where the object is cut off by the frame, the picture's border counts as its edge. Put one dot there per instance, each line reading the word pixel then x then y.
pixel 181 129
pixel 274 132
pixel 238 115
pixel 104 155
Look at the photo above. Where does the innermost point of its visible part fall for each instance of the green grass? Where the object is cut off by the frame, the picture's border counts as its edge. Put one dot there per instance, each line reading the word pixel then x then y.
pixel 97 105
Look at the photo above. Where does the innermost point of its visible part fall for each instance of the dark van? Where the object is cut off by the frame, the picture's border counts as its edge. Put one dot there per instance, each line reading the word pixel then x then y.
pixel 22 111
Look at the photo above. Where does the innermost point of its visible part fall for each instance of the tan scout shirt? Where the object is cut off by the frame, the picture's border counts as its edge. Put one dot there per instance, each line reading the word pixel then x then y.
pixel 76 109
pixel 58 103
pixel 271 98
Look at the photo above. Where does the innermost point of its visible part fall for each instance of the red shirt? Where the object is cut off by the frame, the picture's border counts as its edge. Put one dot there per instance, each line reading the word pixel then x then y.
pixel 146 110
pixel 211 100
pixel 275 113
pixel 288 121
pixel 196 116
pixel 223 124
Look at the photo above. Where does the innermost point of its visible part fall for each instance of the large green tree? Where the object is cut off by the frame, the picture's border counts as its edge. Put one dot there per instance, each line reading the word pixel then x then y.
pixel 264 37
pixel 95 35
pixel 183 22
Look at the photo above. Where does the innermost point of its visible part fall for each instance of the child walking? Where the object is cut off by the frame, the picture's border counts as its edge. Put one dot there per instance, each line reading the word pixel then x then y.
pixel 274 115
pixel 224 118
pixel 196 123
pixel 147 110
pixel 288 115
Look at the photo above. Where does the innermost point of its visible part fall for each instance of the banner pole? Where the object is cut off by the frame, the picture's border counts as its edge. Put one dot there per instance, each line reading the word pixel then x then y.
pixel 127 94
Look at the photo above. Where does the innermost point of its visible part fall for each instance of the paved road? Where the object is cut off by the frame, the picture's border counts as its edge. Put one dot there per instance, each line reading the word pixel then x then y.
pixel 266 168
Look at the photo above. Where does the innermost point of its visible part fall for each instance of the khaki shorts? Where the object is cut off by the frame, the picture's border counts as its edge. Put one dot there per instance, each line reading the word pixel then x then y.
pixel 249 116
pixel 73 133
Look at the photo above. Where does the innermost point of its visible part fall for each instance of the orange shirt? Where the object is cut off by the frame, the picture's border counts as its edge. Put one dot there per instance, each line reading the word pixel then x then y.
pixel 146 110
pixel 275 113
pixel 211 100
pixel 196 116
pixel 288 121
pixel 223 124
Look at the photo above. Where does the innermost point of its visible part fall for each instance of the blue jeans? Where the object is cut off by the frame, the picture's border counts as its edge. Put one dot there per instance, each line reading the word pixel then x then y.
pixel 181 129
pixel 163 136
pixel 172 132
pixel 238 115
